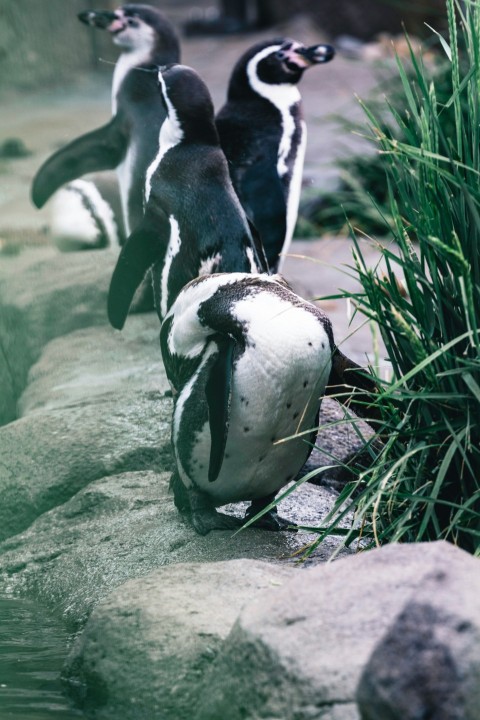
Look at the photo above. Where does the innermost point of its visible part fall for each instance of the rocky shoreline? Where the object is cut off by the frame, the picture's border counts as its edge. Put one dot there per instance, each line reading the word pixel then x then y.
pixel 170 624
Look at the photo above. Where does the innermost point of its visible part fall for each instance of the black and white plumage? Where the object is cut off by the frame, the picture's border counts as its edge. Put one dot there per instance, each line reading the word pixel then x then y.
pixel 248 361
pixel 130 140
pixel 263 135
pixel 85 214
pixel 193 223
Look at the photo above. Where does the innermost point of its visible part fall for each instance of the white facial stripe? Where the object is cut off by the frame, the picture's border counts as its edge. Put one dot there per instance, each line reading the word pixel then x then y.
pixel 294 194
pixel 138 44
pixel 283 96
pixel 173 249
pixel 171 134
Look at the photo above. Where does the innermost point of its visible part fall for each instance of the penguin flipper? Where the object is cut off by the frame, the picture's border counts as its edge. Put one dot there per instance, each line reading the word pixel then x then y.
pixel 141 250
pixel 101 149
pixel 218 394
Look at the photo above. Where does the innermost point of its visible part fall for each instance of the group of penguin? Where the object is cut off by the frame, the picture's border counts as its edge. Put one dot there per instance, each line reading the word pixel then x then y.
pixel 209 206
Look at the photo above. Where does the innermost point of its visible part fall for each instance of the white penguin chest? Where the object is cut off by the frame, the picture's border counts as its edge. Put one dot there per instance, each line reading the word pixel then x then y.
pixel 276 389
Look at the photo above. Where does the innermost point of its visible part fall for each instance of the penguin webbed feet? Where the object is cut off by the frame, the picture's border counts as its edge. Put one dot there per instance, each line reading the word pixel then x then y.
pixel 197 508
pixel 270 520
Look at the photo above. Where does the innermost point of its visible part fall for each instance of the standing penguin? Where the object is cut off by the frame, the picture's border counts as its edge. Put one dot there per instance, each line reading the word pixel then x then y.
pixel 263 135
pixel 193 222
pixel 129 141
pixel 248 361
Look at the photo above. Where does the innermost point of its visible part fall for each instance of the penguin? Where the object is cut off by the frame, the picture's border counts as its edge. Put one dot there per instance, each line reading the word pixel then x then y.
pixel 130 140
pixel 86 215
pixel 193 223
pixel 248 361
pixel 263 135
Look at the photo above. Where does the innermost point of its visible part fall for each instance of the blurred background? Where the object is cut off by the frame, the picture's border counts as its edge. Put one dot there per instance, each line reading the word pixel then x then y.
pixel 55 82
pixel 41 42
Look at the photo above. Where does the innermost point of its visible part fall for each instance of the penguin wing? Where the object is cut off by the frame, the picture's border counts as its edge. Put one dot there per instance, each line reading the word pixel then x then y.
pixel 142 249
pixel 101 149
pixel 218 393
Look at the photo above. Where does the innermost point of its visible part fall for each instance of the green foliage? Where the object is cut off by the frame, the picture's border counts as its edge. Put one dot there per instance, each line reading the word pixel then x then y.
pixel 363 195
pixel 424 479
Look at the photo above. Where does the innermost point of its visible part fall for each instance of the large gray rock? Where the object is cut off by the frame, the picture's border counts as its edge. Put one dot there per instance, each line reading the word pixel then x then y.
pixel 299 651
pixel 428 663
pixel 44 295
pixel 45 458
pixel 89 365
pixel 125 526
pixel 94 406
pixel 146 648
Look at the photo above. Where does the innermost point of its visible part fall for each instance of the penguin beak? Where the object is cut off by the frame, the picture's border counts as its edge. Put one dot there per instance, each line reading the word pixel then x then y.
pixel 316 53
pixel 103 19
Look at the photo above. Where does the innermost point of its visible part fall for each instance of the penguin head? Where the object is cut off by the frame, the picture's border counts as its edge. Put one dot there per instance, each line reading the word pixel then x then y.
pixel 188 103
pixel 294 57
pixel 137 27
pixel 280 61
pixel 286 60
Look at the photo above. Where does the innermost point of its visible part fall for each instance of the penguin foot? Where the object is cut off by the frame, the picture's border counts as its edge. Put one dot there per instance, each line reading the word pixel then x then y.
pixel 206 520
pixel 199 510
pixel 270 521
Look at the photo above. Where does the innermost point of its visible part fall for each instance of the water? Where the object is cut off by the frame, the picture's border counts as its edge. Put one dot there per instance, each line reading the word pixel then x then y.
pixel 33 646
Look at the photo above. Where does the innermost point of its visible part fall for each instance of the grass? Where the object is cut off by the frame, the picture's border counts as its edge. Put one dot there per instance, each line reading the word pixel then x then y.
pixel 422 482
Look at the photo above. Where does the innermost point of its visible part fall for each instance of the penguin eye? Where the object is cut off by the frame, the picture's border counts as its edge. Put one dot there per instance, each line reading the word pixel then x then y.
pixel 132 22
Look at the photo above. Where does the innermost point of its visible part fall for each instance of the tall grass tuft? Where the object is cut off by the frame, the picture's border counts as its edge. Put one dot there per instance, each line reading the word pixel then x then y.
pixel 424 480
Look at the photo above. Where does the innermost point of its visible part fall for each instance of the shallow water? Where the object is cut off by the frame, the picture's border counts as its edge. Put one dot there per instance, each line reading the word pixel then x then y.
pixel 33 646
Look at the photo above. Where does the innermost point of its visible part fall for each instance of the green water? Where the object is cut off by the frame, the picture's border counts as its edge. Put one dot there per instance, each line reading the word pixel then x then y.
pixel 33 646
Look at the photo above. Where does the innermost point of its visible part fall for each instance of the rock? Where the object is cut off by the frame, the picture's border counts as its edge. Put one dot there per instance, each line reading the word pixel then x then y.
pixel 146 648
pixel 125 526
pixel 428 663
pixel 94 406
pixel 46 458
pixel 299 651
pixel 44 295
pixel 88 365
